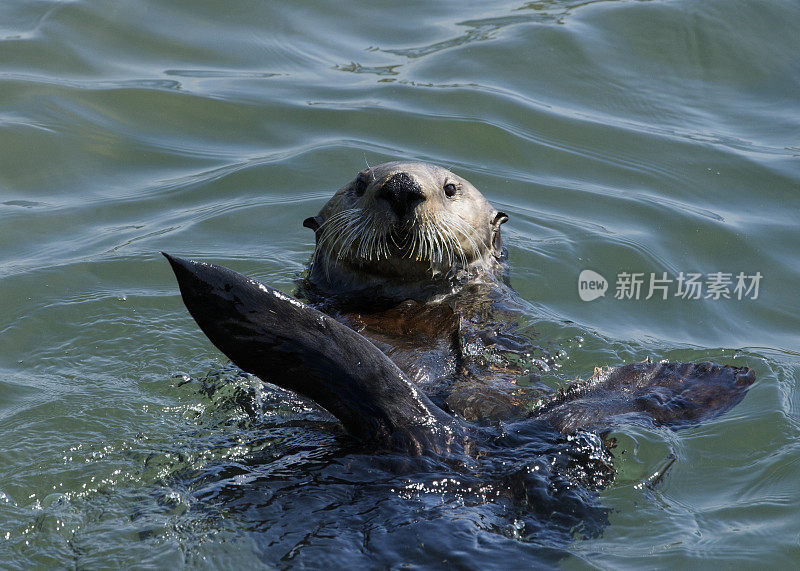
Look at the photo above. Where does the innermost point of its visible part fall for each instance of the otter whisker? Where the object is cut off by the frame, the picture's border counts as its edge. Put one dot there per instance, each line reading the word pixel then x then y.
pixel 363 236
pixel 335 232
pixel 423 235
pixel 349 238
pixel 371 240
pixel 436 245
pixel 475 242
pixel 454 245
pixel 384 244
pixel 331 229
pixel 421 239
pixel 448 244
pixel 358 242
pixel 415 248
pixel 367 242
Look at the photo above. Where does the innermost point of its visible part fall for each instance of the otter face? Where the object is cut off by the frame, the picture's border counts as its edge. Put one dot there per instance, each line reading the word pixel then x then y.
pixel 408 221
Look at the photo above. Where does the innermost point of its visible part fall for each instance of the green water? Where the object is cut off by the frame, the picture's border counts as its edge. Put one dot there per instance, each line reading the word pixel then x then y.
pixel 626 136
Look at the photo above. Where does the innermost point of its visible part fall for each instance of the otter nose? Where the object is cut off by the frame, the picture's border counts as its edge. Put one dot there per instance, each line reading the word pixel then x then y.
pixel 402 193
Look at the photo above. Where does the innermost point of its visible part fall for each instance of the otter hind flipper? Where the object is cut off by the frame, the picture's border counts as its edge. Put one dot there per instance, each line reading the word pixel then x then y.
pixel 664 394
pixel 286 342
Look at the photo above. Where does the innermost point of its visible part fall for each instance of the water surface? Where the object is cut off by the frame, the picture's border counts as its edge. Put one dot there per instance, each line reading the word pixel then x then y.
pixel 625 136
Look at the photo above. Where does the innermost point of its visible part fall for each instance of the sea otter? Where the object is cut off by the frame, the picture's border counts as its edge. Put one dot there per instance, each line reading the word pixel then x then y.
pixel 410 320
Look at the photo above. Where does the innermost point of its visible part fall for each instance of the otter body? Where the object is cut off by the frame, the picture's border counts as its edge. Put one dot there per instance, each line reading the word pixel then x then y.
pixel 411 311
pixel 411 256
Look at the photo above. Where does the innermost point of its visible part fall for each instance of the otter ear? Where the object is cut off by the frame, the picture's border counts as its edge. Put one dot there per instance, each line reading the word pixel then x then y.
pixel 499 218
pixel 312 222
pixel 497 242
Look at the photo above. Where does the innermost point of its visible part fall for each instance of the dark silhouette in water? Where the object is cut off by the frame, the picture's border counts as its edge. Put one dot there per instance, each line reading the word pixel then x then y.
pixel 418 365
pixel 288 343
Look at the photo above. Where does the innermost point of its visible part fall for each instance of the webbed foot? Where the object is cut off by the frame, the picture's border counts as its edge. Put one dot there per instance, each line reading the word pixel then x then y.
pixel 288 343
pixel 662 394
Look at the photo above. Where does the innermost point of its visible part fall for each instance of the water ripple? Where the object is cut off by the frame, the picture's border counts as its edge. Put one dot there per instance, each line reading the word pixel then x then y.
pixel 654 136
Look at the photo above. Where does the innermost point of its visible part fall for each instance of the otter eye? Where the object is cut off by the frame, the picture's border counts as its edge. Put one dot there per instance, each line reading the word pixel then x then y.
pixel 361 183
pixel 450 189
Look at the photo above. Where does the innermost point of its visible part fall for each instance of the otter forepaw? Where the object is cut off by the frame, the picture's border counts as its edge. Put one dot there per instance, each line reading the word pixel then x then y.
pixel 662 394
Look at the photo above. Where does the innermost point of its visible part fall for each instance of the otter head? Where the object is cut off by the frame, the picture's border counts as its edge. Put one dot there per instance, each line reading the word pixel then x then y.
pixel 404 226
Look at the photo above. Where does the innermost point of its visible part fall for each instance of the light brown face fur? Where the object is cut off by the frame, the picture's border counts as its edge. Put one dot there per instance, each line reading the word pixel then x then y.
pixel 404 224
